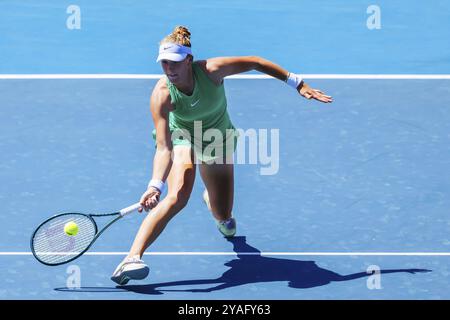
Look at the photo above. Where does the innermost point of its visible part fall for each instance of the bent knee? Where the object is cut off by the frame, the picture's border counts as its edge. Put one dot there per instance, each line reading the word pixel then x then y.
pixel 178 200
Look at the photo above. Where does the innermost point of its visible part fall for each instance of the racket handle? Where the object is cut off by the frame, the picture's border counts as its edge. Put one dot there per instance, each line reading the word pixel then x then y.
pixel 129 209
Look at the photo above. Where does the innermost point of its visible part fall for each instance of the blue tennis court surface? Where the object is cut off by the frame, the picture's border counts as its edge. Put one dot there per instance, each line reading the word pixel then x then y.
pixel 360 184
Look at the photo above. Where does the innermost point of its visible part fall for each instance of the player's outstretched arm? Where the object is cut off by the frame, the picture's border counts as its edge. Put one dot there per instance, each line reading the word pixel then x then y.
pixel 159 106
pixel 221 67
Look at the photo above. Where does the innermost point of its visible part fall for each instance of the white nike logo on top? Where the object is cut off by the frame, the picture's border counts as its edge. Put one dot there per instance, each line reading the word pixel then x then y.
pixel 195 103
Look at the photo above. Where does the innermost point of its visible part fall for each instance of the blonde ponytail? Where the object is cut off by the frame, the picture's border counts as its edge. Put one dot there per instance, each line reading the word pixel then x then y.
pixel 180 35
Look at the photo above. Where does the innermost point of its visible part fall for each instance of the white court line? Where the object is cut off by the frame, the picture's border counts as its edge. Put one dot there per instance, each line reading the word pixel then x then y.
pixel 242 76
pixel 196 253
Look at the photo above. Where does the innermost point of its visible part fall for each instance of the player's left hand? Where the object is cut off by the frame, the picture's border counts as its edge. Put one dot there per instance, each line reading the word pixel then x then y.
pixel 309 93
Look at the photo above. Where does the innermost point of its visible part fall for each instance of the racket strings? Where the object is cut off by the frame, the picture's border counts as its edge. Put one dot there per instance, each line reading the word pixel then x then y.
pixel 53 246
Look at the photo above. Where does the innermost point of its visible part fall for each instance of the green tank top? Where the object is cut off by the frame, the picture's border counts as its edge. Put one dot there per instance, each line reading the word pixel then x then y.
pixel 207 104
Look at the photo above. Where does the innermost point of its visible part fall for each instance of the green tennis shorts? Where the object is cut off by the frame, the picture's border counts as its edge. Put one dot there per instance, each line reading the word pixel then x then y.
pixel 210 151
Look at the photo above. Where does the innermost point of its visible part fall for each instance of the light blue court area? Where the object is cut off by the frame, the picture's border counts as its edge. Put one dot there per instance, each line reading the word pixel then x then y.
pixel 116 36
pixel 367 174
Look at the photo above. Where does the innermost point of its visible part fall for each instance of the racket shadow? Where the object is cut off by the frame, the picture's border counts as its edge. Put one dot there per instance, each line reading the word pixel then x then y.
pixel 251 267
pixel 94 289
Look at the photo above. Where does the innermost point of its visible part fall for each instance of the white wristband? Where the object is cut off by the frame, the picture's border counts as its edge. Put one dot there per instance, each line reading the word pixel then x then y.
pixel 294 80
pixel 158 184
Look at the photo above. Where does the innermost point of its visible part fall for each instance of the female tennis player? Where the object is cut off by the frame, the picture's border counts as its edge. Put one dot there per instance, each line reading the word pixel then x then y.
pixel 191 97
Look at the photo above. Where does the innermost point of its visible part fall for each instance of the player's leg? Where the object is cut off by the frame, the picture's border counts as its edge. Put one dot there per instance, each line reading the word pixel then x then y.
pixel 219 194
pixel 180 183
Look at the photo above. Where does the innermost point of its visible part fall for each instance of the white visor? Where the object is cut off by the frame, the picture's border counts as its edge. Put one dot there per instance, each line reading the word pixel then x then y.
pixel 173 52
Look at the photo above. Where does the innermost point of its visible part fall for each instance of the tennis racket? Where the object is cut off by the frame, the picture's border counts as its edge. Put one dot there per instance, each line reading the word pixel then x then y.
pixel 51 245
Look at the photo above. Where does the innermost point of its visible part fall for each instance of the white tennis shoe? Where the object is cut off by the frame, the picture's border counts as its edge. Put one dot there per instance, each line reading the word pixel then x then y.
pixel 228 227
pixel 130 269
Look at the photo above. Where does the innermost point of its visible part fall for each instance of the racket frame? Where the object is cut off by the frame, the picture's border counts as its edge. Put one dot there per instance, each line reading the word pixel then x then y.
pixel 120 214
pixel 97 233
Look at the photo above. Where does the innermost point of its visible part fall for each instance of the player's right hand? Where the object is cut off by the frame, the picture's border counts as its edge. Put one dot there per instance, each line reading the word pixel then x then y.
pixel 149 199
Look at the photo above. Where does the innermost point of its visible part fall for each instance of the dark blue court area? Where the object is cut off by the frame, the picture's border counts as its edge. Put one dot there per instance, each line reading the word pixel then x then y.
pixel 358 202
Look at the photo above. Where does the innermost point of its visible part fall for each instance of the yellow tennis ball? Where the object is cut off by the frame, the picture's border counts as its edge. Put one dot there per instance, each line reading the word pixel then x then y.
pixel 71 228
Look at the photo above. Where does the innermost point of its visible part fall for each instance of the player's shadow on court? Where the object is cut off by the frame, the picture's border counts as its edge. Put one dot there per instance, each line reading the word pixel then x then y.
pixel 251 267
